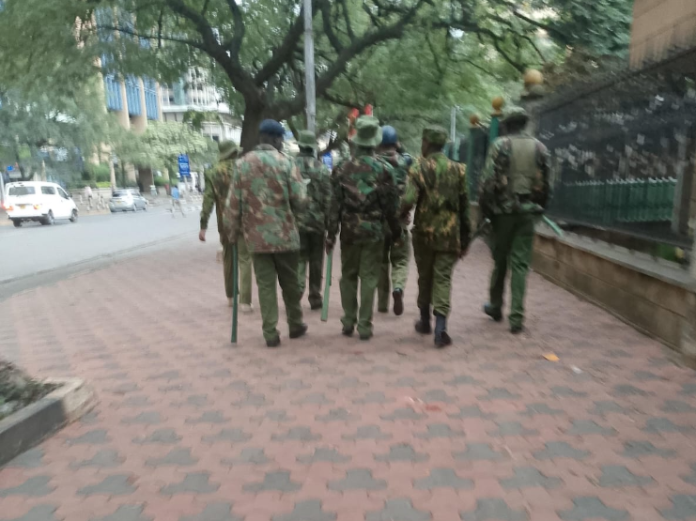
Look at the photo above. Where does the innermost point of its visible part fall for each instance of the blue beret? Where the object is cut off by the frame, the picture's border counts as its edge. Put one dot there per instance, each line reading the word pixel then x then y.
pixel 272 128
pixel 389 136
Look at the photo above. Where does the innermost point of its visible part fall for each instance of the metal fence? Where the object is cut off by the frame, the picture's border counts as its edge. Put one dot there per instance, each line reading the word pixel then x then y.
pixel 624 151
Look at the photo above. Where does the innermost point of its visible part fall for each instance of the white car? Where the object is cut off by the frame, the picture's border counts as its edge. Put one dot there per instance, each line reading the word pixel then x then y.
pixel 127 201
pixel 36 201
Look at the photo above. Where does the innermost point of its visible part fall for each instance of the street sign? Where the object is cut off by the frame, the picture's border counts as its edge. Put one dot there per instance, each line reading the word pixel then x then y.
pixel 327 159
pixel 10 169
pixel 184 166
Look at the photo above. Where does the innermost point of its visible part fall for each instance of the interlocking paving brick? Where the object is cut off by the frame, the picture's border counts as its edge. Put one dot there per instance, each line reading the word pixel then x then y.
pixel 107 458
pixel 677 406
pixel 402 452
pixel 398 510
pixel 310 510
pixel 443 478
pixel 94 437
pixel 251 400
pixel 436 395
pixel 294 384
pixel 126 513
pixel 349 382
pixel 628 390
pixel 665 425
pixel 499 393
pixel 214 512
pixel 639 449
pixel 493 509
pixel 336 415
pixel 160 436
pixel 297 433
pixel 607 406
pixel 228 435
pixel 209 417
pixel 248 456
pixel 526 477
pixel 373 397
pixel 476 452
pixel 567 392
pixel 692 477
pixel 560 449
pixel 144 418
pixel 124 388
pixel 167 375
pixel 31 459
pixel 469 411
pixel 541 409
pixel 175 457
pixel 90 418
pixel 277 415
pixel 314 398
pixel 591 508
pixel 645 376
pixel 358 479
pixel 407 381
pixel 137 401
pixel 116 485
pixel 279 481
pixel 432 369
pixel 38 513
pixel 683 508
pixel 323 454
pixel 405 413
pixel 620 476
pixel 585 427
pixel 462 379
pixel 196 483
pixel 689 389
pixel 36 486
pixel 440 430
pixel 513 429
pixel 368 432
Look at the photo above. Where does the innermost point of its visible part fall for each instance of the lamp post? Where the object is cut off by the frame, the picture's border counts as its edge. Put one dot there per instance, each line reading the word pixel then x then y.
pixel 310 87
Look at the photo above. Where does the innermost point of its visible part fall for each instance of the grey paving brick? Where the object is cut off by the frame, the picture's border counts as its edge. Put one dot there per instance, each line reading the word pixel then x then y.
pixel 251 400
pixel 295 384
pixel 398 510
pixel 90 418
pixel 175 457
pixel 665 425
pixel 116 485
pixel 278 415
pixel 646 376
pixel 313 398
pixel 279 481
pixel 310 510
pixel 373 397
pixel 560 449
pixel 443 478
pixel 591 508
pixel 336 415
pixel 402 452
pixel 124 388
pixel 640 449
pixel 542 409
pixel 526 477
pixel 144 418
pixel 607 406
pixel 689 389
pixel 228 435
pixel 107 458
pixel 367 432
pixel 513 429
pixel 214 512
pixel 323 454
pixel 439 430
pixel 126 513
pixel 567 392
pixel 628 390
pixel 349 382
pixel 499 393
pixel 618 353
pixel 209 417
pixel 477 452
pixel 220 373
pixel 248 456
pixel 677 406
pixel 462 379
pixel 31 459
pixel 683 508
pixel 237 385
pixel 36 486
pixel 428 369
pixel 585 427
pixel 405 413
pixel 95 437
pixel 469 411
pixel 436 395
pixel 167 375
pixel 615 476
pixel 38 513
pixel 174 388
pixel 137 401
pixel 493 509
pixel 196 483
pixel 160 436
pixel 407 381
pixel 297 433
pixel 381 369
pixel 358 479
pixel 691 478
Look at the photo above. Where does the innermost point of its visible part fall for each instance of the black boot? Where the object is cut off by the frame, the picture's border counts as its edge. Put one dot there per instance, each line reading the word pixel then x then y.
pixel 495 314
pixel 442 339
pixel 423 325
pixel 398 295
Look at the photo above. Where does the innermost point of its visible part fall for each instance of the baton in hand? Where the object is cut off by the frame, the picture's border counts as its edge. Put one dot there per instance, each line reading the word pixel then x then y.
pixel 327 287
pixel 235 291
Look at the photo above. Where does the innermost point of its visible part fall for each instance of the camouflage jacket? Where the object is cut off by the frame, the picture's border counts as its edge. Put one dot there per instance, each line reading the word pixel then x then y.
pixel 217 188
pixel 266 197
pixel 313 220
pixel 363 198
pixel 496 192
pixel 438 189
pixel 399 174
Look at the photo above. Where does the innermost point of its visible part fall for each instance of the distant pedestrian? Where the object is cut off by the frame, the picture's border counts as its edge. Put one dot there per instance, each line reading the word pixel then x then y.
pixel 176 201
pixel 266 198
pixel 88 196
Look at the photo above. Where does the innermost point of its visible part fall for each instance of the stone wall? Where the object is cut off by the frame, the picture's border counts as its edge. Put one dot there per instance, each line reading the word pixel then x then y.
pixel 659 25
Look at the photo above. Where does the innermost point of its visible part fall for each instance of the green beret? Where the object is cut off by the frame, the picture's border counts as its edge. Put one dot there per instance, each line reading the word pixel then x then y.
pixel 228 150
pixel 368 133
pixel 515 114
pixel 307 139
pixel 435 135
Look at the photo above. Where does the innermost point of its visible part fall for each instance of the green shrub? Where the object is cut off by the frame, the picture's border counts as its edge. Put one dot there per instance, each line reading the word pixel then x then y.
pixel 173 181
pixel 161 181
pixel 103 185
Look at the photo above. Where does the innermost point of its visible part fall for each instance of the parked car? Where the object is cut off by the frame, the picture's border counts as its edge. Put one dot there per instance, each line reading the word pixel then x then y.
pixel 40 202
pixel 127 201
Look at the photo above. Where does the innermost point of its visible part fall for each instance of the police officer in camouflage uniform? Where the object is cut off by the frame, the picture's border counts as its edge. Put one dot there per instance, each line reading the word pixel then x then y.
pixel 514 191
pixel 312 223
pixel 217 188
pixel 396 257
pixel 266 198
pixel 441 229
pixel 363 198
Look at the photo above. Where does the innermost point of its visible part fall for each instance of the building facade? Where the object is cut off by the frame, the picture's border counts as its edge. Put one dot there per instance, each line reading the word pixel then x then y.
pixel 659 26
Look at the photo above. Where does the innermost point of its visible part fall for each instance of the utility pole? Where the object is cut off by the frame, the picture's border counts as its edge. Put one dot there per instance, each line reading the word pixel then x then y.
pixel 453 124
pixel 310 76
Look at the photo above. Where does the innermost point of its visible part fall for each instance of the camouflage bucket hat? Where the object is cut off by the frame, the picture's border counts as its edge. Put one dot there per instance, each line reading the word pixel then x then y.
pixel 435 135
pixel 515 114
pixel 368 132
pixel 307 139
pixel 228 150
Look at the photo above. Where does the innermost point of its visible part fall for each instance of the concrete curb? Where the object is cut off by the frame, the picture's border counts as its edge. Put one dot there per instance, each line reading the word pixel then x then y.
pixel 30 425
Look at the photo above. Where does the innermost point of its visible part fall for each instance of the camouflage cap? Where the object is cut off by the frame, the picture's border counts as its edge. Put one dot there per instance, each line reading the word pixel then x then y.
pixel 368 132
pixel 307 139
pixel 435 135
pixel 515 114
pixel 228 150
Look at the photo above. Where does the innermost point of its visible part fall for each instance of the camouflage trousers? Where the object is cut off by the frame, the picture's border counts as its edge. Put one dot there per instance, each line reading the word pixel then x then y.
pixel 434 277
pixel 312 255
pixel 358 264
pixel 512 245
pixel 397 258
pixel 271 269
pixel 244 260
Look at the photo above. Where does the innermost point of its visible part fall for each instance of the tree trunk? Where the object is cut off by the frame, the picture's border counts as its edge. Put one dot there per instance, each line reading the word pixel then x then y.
pixel 253 116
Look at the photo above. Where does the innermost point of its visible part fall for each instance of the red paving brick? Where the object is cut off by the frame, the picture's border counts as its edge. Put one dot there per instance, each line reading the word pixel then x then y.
pixel 191 428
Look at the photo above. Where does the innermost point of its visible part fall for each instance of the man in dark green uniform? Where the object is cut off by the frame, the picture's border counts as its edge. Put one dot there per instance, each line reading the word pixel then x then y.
pixel 395 257
pixel 363 198
pixel 312 222
pixel 514 191
pixel 217 188
pixel 265 200
pixel 441 229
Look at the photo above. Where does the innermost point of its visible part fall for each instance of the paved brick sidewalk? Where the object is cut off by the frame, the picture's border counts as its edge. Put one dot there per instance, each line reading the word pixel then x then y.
pixel 189 428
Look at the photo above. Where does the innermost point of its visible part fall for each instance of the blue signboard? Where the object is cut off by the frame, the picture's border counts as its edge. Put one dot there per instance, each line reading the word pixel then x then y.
pixel 327 159
pixel 9 169
pixel 184 166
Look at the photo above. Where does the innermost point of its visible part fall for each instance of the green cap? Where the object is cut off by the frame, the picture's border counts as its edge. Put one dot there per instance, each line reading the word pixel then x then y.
pixel 515 114
pixel 307 139
pixel 435 135
pixel 228 150
pixel 368 132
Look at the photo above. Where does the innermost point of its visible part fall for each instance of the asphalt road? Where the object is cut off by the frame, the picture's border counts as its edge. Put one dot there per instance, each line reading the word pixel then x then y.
pixel 34 250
